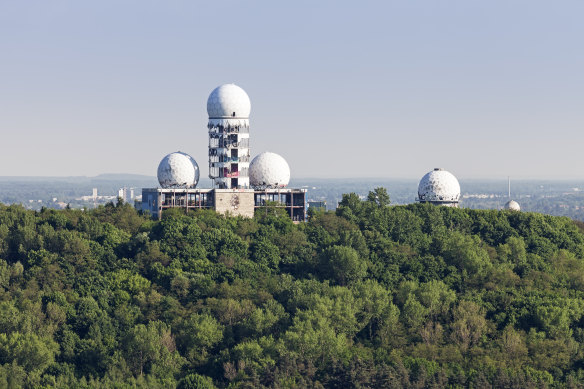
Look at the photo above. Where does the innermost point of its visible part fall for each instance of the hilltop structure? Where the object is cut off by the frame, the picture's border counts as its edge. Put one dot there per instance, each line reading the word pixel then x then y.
pixel 229 108
pixel 439 187
pixel 511 205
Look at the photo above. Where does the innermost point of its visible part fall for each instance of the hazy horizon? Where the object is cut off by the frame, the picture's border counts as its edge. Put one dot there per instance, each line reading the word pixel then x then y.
pixel 307 178
pixel 373 89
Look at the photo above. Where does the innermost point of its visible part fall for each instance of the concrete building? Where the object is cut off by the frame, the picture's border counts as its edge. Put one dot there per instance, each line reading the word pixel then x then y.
pixel 235 202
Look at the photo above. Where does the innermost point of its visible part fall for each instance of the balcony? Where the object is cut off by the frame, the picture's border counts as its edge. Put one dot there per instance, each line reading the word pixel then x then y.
pixel 229 130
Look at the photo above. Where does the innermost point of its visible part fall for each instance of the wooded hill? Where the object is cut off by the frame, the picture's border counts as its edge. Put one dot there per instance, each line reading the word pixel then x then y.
pixel 370 296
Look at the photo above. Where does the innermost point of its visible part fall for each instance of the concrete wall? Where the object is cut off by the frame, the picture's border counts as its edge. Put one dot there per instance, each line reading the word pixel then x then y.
pixel 238 202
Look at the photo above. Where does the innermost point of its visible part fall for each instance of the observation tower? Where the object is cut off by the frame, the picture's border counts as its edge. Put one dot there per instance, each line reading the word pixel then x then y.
pixel 229 107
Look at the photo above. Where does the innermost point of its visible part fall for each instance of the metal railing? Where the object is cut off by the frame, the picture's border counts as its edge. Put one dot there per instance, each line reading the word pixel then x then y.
pixel 229 130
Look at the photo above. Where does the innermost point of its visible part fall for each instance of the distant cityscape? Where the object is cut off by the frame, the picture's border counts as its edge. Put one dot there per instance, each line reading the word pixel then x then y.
pixel 562 198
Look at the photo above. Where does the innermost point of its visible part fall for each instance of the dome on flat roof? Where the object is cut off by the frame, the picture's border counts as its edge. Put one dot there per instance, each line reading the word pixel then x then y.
pixel 269 170
pixel 178 170
pixel 228 101
pixel 439 186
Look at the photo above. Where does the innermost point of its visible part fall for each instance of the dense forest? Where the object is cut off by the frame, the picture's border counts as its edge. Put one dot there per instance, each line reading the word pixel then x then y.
pixel 371 295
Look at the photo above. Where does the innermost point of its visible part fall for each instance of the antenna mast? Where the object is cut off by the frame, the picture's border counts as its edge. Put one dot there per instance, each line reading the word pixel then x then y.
pixel 509 186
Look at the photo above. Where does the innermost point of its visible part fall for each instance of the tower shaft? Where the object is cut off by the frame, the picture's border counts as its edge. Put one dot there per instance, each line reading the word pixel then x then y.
pixel 509 187
pixel 229 154
pixel 229 107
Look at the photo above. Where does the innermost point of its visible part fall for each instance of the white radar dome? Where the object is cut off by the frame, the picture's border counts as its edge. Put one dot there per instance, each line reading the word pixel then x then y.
pixel 439 186
pixel 178 170
pixel 269 170
pixel 228 101
pixel 512 205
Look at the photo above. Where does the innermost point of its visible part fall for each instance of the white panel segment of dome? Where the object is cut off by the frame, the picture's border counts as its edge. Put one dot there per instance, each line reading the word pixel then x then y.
pixel 512 205
pixel 228 105
pixel 269 170
pixel 178 170
pixel 439 186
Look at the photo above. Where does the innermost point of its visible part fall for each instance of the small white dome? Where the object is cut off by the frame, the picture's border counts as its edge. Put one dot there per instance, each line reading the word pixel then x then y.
pixel 269 170
pixel 178 170
pixel 439 186
pixel 512 205
pixel 228 101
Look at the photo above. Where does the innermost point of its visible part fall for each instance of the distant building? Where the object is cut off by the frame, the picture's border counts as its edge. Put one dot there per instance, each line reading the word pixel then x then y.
pixel 512 205
pixel 126 194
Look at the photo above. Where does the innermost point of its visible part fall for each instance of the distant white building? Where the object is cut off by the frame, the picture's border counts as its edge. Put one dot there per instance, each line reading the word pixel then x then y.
pixel 126 194
pixel 512 205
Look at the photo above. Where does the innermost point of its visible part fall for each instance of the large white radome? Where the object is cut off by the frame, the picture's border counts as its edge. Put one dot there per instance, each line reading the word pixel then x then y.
pixel 228 101
pixel 439 186
pixel 269 170
pixel 512 205
pixel 178 170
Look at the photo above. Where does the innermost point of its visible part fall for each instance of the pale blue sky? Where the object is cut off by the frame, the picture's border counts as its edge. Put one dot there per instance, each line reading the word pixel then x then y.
pixel 340 89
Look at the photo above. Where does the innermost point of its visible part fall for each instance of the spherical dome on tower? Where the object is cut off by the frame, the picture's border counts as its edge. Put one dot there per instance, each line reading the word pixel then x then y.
pixel 178 170
pixel 512 205
pixel 228 101
pixel 269 170
pixel 439 186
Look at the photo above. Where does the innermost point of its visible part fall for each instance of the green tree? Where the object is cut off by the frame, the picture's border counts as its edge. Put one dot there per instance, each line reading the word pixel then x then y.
pixel 469 324
pixel 466 253
pixel 28 350
pixel 312 337
pixel 413 314
pixel 196 381
pixel 265 253
pixel 151 349
pixel 379 197
pixel 343 265
pixel 373 300
pixel 436 297
pixel 198 334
